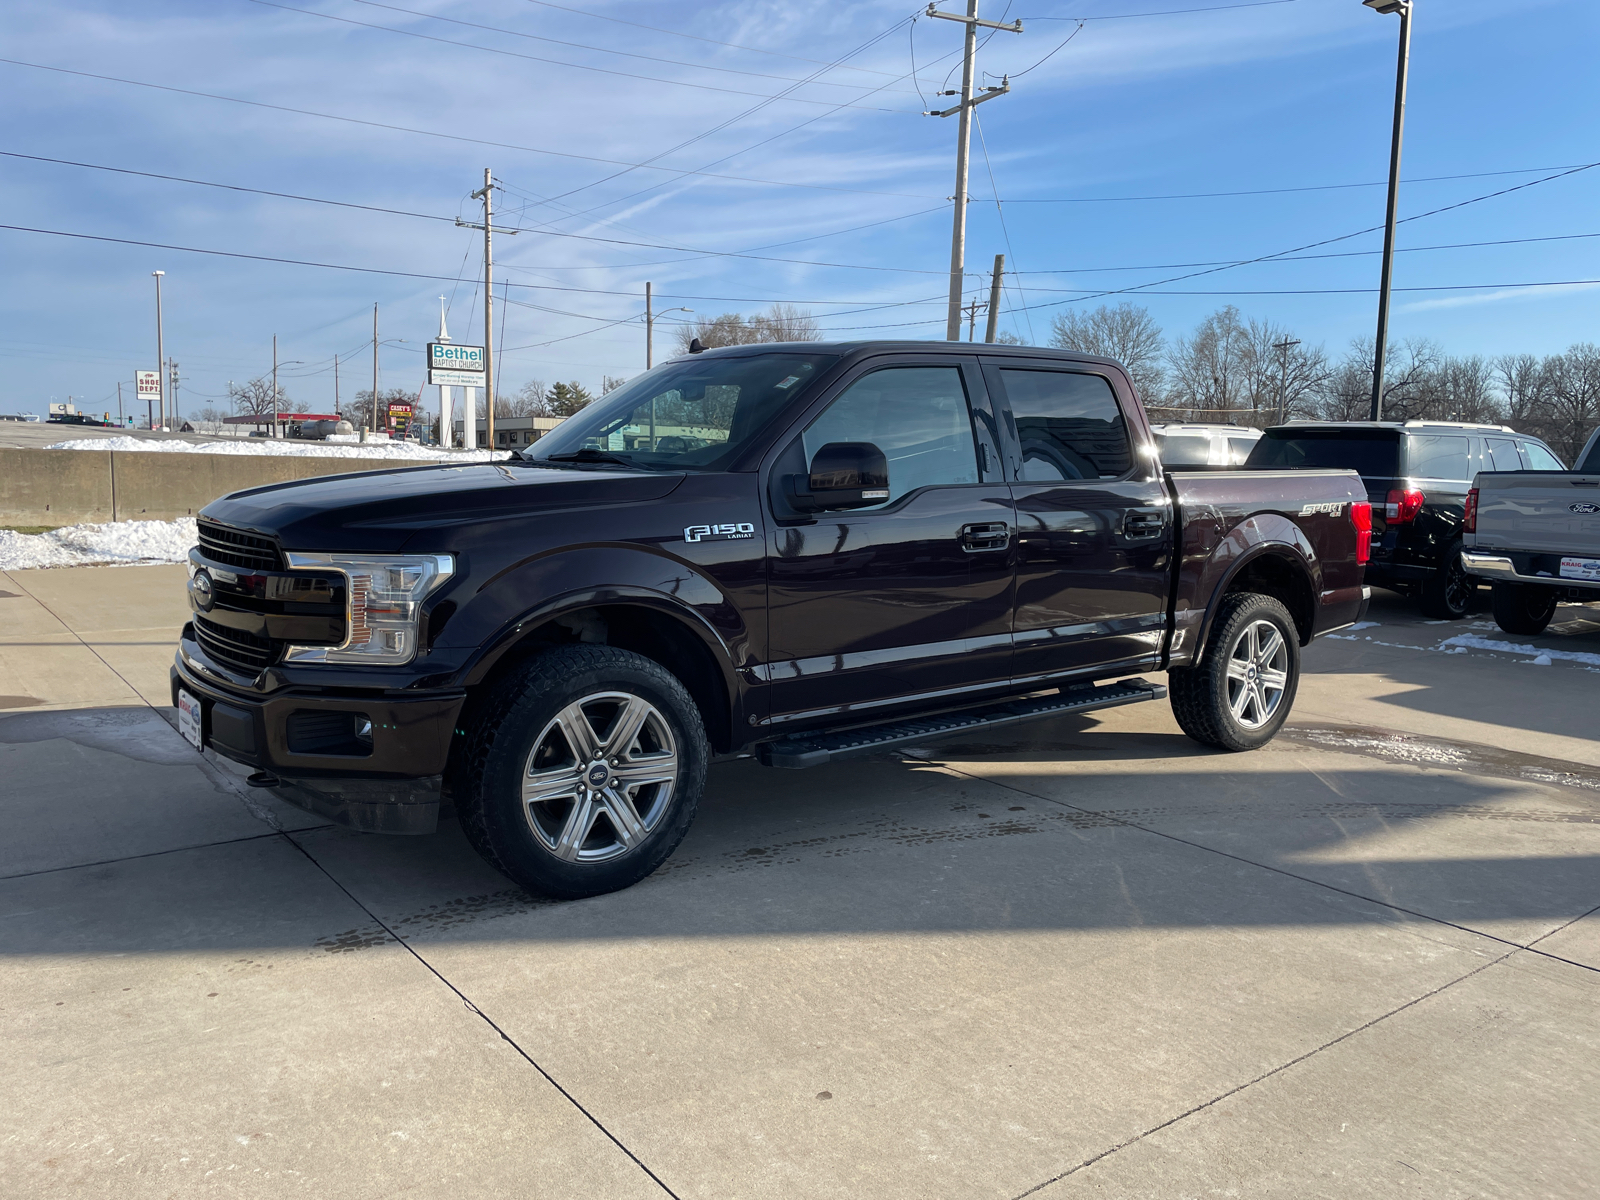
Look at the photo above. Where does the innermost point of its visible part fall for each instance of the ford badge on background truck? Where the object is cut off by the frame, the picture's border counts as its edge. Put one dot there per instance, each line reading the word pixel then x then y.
pixel 798 551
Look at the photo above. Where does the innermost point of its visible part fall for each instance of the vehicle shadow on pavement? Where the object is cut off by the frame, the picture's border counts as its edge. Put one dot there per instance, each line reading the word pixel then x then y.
pixel 1146 835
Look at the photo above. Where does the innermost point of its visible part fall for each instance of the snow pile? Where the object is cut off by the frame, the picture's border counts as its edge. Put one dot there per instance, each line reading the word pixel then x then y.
pixel 119 542
pixel 1472 641
pixel 344 448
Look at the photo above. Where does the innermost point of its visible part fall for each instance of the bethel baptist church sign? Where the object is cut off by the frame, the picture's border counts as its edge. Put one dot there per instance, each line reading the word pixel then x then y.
pixel 455 366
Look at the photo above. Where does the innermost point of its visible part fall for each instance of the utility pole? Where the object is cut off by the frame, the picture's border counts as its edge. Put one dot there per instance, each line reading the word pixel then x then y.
pixel 488 298
pixel 374 420
pixel 1283 370
pixel 958 233
pixel 336 411
pixel 173 366
pixel 274 385
pixel 1381 352
pixel 972 317
pixel 994 298
pixel 161 356
pixel 119 402
pixel 649 338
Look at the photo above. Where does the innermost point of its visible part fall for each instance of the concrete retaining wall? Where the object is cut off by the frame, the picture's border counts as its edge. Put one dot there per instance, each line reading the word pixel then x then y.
pixel 70 487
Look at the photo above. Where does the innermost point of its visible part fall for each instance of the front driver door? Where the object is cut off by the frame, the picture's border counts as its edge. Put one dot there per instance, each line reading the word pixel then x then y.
pixel 1094 525
pixel 911 600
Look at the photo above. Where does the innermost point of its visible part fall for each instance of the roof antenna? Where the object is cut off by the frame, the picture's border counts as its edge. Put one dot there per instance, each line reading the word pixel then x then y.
pixel 696 346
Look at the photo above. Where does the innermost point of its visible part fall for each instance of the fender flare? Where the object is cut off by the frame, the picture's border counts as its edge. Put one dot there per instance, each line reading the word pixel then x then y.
pixel 1258 537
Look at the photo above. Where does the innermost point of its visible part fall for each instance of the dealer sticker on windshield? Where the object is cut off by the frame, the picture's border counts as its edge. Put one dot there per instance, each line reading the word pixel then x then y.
pixel 1580 568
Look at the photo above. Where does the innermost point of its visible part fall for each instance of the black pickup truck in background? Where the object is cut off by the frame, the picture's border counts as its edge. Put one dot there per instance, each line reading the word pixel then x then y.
pixel 800 551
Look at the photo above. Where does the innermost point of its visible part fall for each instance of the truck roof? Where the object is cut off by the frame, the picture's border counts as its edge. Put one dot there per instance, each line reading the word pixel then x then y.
pixel 900 346
pixel 1396 425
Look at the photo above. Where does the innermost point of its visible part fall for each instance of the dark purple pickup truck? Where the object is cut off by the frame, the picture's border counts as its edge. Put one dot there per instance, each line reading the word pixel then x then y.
pixel 800 551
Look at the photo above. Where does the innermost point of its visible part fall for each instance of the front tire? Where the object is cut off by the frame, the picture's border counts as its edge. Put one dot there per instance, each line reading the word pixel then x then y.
pixel 1447 593
pixel 1523 607
pixel 1241 693
pixel 583 771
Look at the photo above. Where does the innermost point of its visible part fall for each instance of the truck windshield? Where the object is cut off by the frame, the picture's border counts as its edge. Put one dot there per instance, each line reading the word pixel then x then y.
pixel 686 415
pixel 1372 454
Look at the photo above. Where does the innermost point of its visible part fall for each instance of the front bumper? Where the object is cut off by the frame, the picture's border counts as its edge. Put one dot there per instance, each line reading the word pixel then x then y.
pixel 1502 567
pixel 287 733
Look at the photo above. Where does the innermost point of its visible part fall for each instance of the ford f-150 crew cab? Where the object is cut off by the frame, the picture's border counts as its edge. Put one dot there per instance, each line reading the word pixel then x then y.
pixel 798 551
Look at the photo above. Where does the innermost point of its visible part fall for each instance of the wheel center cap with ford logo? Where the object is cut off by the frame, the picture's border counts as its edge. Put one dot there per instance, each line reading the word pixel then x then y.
pixel 598 775
pixel 201 589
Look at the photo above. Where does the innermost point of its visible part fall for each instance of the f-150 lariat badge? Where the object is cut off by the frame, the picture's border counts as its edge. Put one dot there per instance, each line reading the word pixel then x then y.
pixel 700 533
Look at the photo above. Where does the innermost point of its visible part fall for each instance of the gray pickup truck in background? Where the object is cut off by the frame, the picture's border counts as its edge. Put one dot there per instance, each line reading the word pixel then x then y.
pixel 1536 535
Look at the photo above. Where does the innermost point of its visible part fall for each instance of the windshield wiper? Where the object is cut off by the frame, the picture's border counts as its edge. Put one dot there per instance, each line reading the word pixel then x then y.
pixel 589 455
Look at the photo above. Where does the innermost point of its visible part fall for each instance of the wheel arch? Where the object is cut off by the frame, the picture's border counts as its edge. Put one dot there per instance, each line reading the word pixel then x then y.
pixel 1271 561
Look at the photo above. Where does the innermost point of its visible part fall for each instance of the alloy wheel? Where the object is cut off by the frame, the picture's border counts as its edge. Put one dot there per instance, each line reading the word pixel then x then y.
pixel 600 777
pixel 1258 672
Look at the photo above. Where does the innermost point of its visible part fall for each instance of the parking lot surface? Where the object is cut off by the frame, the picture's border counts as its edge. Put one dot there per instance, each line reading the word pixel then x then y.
pixel 1084 958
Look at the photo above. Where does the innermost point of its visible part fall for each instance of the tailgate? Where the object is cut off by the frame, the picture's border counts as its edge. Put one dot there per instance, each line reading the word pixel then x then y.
pixel 1539 511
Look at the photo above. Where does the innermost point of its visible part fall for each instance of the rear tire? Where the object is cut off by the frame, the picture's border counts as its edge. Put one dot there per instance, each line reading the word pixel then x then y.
pixel 583 771
pixel 1523 607
pixel 1447 593
pixel 1241 693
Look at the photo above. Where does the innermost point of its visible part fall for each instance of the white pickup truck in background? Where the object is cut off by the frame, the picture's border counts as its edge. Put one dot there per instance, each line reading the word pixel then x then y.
pixel 1536 534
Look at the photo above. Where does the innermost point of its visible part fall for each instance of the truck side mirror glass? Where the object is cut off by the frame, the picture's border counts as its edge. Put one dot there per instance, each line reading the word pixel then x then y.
pixel 843 475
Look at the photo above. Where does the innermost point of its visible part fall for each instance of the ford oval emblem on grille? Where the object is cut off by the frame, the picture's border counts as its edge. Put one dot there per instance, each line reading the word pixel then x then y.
pixel 200 588
pixel 1586 509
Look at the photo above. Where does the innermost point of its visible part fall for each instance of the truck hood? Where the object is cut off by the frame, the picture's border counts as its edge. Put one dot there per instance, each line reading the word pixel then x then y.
pixel 377 512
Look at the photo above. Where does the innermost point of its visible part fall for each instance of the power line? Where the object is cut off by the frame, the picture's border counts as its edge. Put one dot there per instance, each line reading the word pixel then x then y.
pixel 694 37
pixel 428 37
pixel 453 137
pixel 602 49
pixel 1171 12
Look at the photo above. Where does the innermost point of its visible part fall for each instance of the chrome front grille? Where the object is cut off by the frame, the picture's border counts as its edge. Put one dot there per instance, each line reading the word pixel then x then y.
pixel 235 548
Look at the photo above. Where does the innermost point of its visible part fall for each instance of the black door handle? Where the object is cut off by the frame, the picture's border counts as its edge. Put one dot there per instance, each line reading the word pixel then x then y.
pixel 987 535
pixel 1144 522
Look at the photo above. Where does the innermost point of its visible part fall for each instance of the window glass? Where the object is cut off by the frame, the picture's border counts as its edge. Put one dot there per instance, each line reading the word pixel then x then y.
pixel 1372 455
pixel 1437 456
pixel 690 414
pixel 1069 425
pixel 1540 459
pixel 917 416
pixel 1239 450
pixel 1501 455
pixel 1179 450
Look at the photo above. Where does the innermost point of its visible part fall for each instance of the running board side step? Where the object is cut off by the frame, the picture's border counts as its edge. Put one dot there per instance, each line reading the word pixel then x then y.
pixel 818 749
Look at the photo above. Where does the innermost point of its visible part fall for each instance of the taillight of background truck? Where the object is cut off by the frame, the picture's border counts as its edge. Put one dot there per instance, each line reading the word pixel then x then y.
pixel 1469 512
pixel 1361 518
pixel 1402 505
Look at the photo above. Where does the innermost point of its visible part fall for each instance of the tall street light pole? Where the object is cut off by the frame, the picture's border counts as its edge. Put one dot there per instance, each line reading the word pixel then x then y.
pixel 1381 351
pixel 161 355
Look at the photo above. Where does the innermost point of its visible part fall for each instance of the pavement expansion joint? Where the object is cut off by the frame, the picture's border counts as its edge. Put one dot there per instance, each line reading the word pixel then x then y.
pixel 479 1013
pixel 1389 904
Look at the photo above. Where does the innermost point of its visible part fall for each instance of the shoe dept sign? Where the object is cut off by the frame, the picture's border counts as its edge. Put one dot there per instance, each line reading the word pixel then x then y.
pixel 455 366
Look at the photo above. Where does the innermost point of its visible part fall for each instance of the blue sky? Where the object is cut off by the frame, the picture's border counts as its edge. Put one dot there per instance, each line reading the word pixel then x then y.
pixel 766 201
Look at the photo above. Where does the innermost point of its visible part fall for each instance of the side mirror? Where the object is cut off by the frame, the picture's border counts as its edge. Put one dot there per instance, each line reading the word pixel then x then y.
pixel 843 475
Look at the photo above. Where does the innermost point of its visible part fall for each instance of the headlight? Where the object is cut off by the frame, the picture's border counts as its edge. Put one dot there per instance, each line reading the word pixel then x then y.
pixel 384 607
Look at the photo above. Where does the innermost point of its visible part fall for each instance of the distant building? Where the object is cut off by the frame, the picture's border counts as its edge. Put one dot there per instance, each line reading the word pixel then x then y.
pixel 510 431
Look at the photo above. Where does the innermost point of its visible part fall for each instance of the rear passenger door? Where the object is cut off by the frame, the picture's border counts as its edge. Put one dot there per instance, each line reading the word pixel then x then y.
pixel 1094 523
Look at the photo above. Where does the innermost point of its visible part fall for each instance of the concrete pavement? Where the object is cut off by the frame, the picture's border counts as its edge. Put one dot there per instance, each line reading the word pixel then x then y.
pixel 1085 957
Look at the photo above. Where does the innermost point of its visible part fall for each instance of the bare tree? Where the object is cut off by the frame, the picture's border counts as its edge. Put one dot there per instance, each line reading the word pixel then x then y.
pixel 1573 407
pixel 1523 383
pixel 1296 372
pixel 780 323
pixel 1208 375
pixel 610 383
pixel 530 400
pixel 1125 333
pixel 255 397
